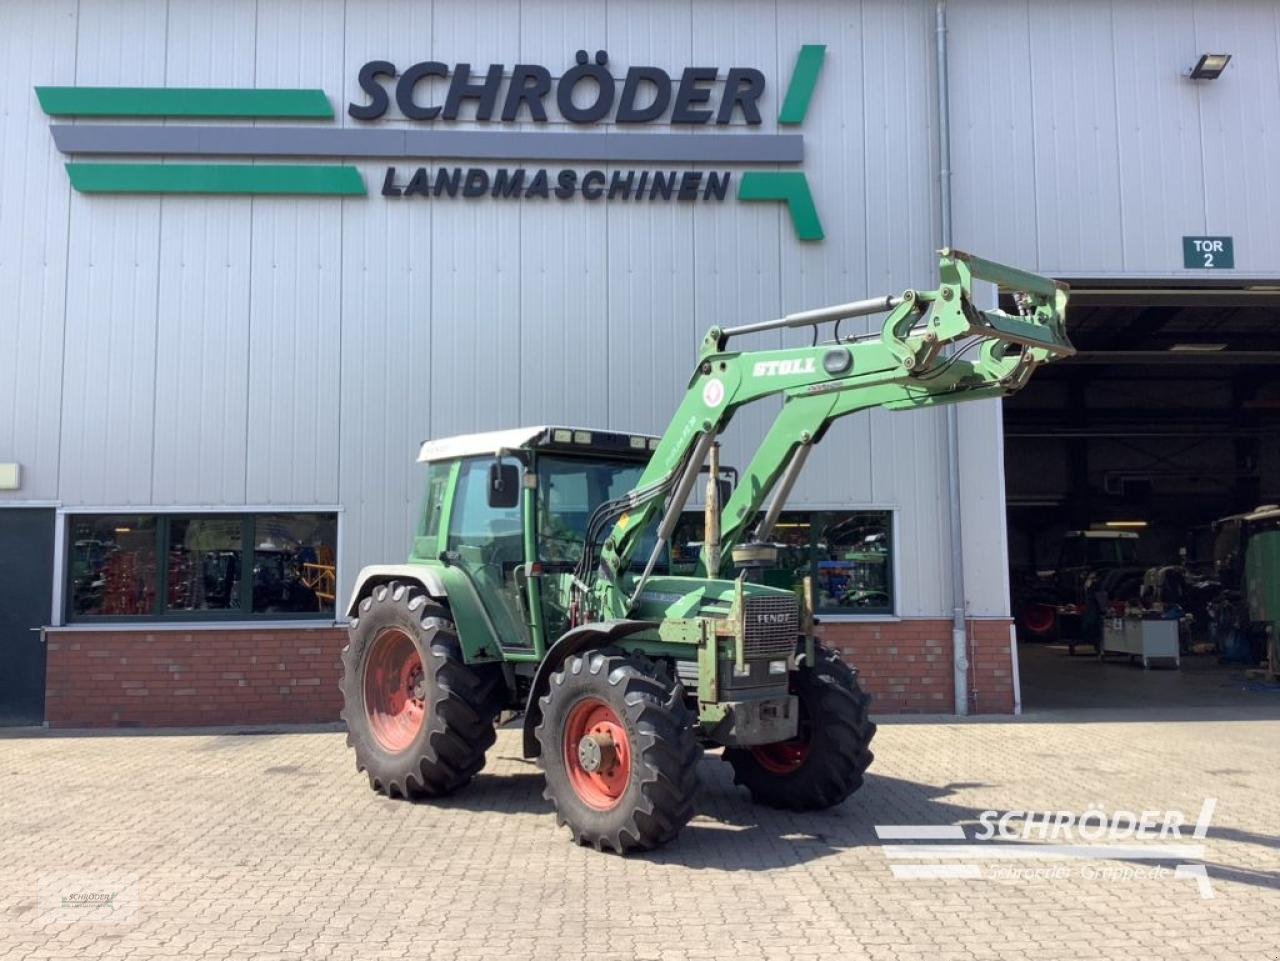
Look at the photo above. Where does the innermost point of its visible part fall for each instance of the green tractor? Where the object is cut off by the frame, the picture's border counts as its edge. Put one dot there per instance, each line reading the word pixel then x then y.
pixel 537 582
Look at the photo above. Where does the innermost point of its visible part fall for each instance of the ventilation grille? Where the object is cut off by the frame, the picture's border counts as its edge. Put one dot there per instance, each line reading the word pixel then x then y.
pixel 772 626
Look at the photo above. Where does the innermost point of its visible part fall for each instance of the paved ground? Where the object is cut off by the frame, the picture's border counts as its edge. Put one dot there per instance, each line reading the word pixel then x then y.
pixel 1053 680
pixel 271 847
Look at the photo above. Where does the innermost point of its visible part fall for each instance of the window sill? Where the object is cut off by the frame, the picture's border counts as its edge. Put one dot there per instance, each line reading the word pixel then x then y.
pixel 155 627
pixel 857 619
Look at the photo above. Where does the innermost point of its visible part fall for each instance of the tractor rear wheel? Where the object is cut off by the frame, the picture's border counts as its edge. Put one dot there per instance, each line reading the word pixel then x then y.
pixel 619 751
pixel 419 718
pixel 825 763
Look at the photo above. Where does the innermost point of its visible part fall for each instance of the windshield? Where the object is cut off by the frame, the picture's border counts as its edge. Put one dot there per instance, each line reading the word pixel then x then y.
pixel 1081 551
pixel 1107 550
pixel 569 489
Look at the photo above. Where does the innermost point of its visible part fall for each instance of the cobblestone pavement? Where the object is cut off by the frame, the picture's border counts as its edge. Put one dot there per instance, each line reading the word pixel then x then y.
pixel 272 847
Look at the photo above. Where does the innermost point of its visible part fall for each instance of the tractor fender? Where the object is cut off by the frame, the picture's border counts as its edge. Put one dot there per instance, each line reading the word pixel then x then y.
pixel 584 637
pixel 370 577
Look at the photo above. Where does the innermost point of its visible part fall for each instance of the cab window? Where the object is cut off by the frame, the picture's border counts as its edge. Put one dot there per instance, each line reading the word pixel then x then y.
pixel 433 502
pixel 569 489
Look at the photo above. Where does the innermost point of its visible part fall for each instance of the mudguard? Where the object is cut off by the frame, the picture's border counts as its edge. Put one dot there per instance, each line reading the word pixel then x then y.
pixel 584 637
pixel 370 577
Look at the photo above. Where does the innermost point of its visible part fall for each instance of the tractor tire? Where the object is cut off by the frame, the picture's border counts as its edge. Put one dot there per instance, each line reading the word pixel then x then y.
pixel 418 717
pixel 633 786
pixel 825 763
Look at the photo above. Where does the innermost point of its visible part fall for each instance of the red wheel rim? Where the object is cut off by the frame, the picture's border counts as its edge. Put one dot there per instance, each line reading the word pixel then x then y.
pixel 603 787
pixel 1038 618
pixel 782 757
pixel 394 690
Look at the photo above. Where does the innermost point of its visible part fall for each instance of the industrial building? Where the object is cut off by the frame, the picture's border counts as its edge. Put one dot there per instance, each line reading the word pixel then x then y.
pixel 252 253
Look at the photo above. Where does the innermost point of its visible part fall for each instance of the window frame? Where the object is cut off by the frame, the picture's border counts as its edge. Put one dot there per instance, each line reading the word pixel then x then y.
pixel 837 617
pixel 586 457
pixel 834 616
pixel 65 598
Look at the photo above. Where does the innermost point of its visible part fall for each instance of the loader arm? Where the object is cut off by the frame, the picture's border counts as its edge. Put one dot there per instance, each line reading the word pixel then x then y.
pixel 902 367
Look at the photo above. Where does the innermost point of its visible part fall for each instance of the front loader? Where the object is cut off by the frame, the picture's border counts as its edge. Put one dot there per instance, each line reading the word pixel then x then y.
pixel 539 583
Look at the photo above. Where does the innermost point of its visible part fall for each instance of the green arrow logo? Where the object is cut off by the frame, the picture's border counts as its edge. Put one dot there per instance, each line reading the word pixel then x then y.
pixel 792 188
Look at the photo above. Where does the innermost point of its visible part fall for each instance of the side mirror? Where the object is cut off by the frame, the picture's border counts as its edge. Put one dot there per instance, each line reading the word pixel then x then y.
pixel 725 487
pixel 504 485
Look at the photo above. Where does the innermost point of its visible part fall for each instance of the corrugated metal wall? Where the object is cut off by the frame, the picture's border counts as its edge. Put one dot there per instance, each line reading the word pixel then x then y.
pixel 1081 148
pixel 193 351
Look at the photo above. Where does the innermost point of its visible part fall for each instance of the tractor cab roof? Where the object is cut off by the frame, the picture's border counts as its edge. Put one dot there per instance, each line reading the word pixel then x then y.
pixel 566 439
pixel 1267 513
pixel 1103 535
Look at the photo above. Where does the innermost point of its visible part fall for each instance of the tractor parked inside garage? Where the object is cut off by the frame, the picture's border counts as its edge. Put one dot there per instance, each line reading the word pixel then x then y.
pixel 1246 557
pixel 536 581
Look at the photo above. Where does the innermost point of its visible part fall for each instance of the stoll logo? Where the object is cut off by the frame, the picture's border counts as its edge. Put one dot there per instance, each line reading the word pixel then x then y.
pixel 537 152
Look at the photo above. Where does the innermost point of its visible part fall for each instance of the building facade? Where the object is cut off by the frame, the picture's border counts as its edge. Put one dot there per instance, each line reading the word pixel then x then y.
pixel 252 253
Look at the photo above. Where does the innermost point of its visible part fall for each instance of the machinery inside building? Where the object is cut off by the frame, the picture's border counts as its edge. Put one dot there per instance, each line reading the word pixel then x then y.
pixel 1139 475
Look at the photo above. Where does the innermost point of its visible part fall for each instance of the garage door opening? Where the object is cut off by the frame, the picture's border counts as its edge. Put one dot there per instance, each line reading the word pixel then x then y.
pixel 1142 478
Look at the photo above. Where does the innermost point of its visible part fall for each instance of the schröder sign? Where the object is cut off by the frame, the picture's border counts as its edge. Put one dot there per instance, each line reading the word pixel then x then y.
pixel 645 97
pixel 586 94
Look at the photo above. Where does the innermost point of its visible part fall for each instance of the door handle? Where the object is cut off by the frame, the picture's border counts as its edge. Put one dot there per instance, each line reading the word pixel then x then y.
pixel 520 575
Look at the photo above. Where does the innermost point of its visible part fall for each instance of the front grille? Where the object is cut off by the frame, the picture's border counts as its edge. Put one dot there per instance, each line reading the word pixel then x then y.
pixel 772 625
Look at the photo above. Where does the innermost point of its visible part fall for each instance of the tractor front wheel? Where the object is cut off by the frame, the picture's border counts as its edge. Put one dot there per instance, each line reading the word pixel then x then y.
pixel 825 762
pixel 619 751
pixel 420 719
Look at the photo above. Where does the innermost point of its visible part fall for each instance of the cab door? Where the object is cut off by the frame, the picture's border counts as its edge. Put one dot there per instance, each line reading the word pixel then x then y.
pixel 487 544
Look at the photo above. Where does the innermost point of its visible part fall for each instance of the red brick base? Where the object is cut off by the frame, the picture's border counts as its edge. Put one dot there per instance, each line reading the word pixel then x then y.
pixel 907 665
pixel 193 678
pixel 290 676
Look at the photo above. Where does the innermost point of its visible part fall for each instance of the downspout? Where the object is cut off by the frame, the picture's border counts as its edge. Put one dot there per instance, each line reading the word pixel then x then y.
pixel 959 633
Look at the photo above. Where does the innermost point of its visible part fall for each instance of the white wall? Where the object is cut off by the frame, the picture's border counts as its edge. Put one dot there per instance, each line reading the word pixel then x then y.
pixel 1081 149
pixel 229 351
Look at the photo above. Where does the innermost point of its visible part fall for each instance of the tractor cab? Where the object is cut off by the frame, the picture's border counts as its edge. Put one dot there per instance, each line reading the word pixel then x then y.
pixel 506 515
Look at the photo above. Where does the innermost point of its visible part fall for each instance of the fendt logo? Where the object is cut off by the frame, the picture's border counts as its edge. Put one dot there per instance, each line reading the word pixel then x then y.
pixel 687 163
pixel 773 618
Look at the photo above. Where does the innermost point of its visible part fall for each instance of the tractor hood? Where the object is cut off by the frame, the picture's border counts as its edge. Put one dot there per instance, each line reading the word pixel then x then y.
pixel 672 596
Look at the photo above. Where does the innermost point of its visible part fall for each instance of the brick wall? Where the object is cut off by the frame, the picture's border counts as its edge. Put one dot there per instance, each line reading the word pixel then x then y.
pixel 907 665
pixel 290 676
pixel 193 678
pixel 990 668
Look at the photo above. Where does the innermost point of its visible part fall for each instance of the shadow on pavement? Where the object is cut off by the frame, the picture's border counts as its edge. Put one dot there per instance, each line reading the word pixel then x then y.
pixel 729 833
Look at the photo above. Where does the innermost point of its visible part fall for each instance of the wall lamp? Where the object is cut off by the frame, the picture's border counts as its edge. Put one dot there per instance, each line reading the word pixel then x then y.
pixel 1210 66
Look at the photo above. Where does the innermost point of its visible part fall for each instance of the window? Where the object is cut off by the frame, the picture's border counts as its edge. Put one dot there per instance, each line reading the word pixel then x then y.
pixel 113 565
pixel 206 564
pixel 487 544
pixel 849 555
pixel 474 522
pixel 569 489
pixel 433 505
pixel 198 567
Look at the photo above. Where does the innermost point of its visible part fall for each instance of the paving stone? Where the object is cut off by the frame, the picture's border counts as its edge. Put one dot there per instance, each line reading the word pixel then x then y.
pixel 229 859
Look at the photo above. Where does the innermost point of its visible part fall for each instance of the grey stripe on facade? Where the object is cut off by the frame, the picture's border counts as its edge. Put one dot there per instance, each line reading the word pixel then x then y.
pixel 396 143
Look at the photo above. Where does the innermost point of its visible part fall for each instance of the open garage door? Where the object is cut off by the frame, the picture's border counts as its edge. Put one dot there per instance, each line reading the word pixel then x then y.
pixel 1130 470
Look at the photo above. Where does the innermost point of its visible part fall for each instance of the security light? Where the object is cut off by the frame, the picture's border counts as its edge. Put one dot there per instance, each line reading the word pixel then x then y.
pixel 1125 524
pixel 1210 66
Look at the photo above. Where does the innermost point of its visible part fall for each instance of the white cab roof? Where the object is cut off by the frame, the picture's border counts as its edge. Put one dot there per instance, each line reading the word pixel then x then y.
pixel 493 441
pixel 471 445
